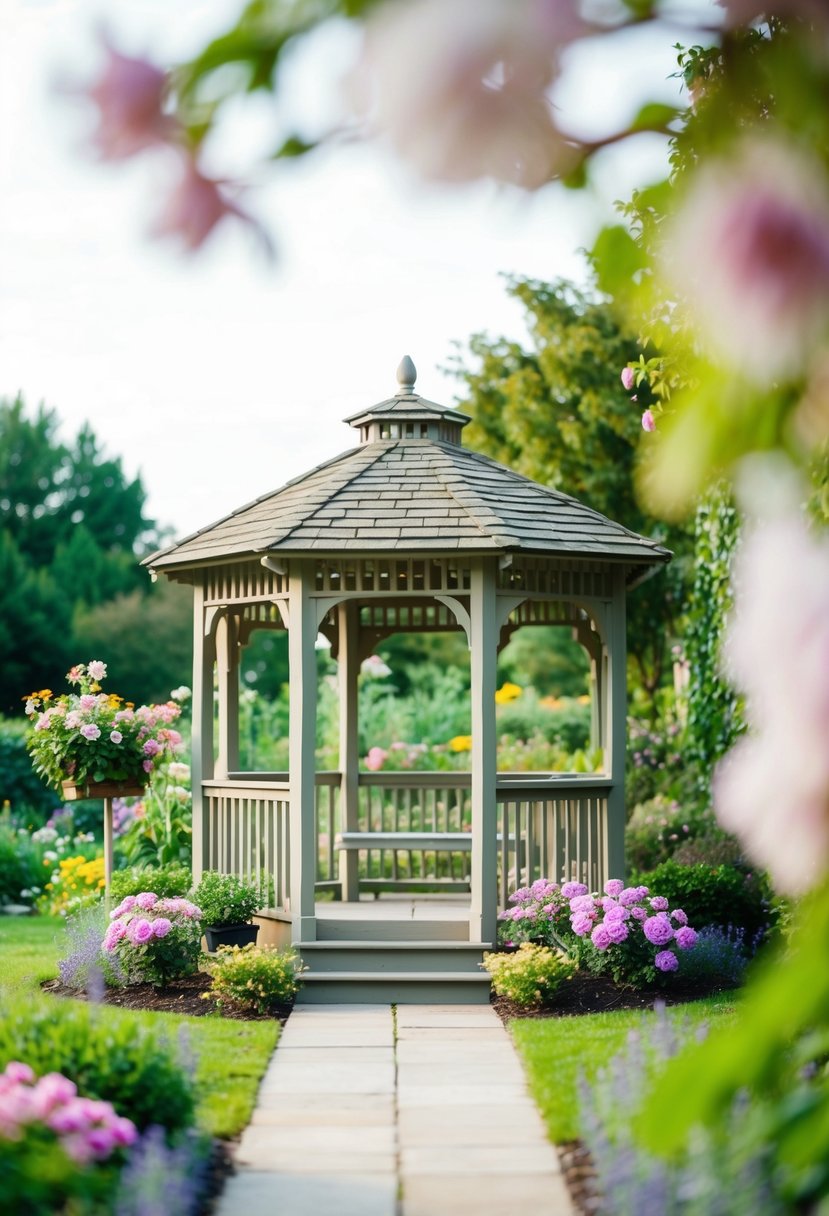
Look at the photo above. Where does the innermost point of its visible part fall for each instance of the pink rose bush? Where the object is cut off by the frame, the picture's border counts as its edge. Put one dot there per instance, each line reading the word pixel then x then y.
pixel 93 736
pixel 625 931
pixel 152 940
pixel 55 1145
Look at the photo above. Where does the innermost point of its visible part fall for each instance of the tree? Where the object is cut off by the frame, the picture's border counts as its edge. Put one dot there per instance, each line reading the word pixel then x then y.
pixel 72 527
pixel 556 411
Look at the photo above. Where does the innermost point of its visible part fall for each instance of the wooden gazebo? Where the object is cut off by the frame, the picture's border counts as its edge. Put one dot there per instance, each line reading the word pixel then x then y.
pixel 408 532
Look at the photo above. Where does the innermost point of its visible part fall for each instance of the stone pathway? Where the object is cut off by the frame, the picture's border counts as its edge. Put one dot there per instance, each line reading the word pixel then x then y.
pixel 362 1113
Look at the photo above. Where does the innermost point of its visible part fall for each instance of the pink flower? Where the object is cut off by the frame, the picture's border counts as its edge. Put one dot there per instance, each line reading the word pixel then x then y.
pixel 658 929
pixel 88 700
pixel 151 747
pixel 116 736
pixel 749 252
pixel 614 887
pixel 97 670
pixel 161 926
pixel 196 206
pixel 75 674
pixel 659 903
pixel 571 890
pixel 628 378
pixel 679 916
pixel 124 1131
pixel 139 931
pixel 147 765
pixel 19 1073
pixel 648 421
pixel 375 759
pixel 481 106
pixel 772 790
pixel 115 932
pixel 600 937
pixel 617 931
pixel 146 900
pixel 129 96
pixel 666 960
pixel 91 731
pixel 686 937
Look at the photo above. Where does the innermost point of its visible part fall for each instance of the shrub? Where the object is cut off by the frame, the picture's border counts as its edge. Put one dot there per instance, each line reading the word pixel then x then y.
pixel 168 882
pixel 660 826
pixel 153 940
pixel 76 882
pixel 540 913
pixel 54 1143
pixel 117 1061
pixel 716 895
pixel 710 850
pixel 531 976
pixel 225 899
pixel 21 864
pixel 257 977
pixel 720 957
pixel 563 721
pixel 28 796
pixel 634 936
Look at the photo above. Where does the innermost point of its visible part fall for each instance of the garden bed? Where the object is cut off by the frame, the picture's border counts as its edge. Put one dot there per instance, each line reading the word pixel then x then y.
pixel 188 995
pixel 586 993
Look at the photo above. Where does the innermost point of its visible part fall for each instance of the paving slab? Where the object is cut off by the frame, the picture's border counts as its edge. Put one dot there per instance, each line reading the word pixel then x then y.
pixel 350 1116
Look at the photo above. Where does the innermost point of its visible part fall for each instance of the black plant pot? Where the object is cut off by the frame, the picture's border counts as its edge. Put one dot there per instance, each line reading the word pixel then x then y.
pixel 231 935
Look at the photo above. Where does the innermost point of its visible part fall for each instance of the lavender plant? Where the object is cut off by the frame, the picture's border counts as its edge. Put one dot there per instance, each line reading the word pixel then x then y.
pixel 162 1179
pixel 727 1174
pixel 86 966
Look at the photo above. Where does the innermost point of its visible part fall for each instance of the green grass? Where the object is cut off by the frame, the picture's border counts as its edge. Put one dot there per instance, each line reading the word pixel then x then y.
pixel 556 1051
pixel 231 1055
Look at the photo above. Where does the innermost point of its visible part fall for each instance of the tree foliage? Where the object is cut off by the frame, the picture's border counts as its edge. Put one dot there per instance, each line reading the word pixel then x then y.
pixel 555 410
pixel 72 527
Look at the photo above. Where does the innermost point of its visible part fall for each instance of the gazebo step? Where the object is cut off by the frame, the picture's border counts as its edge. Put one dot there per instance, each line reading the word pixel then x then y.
pixel 393 957
pixel 385 927
pixel 395 988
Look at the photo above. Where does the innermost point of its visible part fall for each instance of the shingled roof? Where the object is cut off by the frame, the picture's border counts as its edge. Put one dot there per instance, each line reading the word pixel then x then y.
pixel 411 487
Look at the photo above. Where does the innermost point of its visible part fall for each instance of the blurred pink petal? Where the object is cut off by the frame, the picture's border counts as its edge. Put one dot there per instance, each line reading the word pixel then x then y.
pixel 749 254
pixel 197 205
pixel 460 86
pixel 130 96
pixel 648 421
pixel 628 378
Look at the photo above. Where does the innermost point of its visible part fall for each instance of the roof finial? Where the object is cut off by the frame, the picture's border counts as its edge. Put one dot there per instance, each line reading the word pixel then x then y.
pixel 406 376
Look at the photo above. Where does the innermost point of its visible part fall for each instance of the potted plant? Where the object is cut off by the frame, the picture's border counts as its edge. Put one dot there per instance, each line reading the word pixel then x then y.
pixel 227 904
pixel 93 744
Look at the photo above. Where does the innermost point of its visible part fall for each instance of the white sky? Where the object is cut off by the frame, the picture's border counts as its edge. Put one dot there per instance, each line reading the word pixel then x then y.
pixel 217 377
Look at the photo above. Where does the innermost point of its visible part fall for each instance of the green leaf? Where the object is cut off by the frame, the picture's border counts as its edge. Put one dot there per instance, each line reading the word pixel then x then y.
pixel 654 116
pixel 617 259
pixel 294 146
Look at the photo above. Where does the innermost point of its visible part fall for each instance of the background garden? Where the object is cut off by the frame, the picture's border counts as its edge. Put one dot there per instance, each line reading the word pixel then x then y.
pixel 683 394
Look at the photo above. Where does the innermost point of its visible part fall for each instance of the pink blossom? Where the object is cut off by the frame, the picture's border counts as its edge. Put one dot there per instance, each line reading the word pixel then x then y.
pixel 478 106
pixel 375 759
pixel 629 896
pixel 571 890
pixel 686 937
pixel 628 378
pixel 648 421
pixel 115 736
pixel 638 913
pixel 146 900
pixel 617 931
pixel 129 95
pixel 679 916
pixel 581 923
pixel 139 931
pixel 600 937
pixel 91 731
pixel 88 700
pixel 147 765
pixel 658 929
pixel 772 790
pixel 196 206
pixel 97 670
pixel 659 903
pixel 614 887
pixel 75 674
pixel 19 1073
pixel 151 747
pixel 749 252
pixel 161 926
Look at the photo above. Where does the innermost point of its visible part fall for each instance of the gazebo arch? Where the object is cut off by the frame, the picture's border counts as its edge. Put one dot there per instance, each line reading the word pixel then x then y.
pixel 409 531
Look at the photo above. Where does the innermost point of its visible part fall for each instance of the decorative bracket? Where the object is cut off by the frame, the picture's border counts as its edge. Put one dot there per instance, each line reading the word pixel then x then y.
pixel 459 612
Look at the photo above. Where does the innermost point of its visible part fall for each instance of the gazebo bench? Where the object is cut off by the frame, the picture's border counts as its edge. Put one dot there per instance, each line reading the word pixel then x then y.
pixel 426 842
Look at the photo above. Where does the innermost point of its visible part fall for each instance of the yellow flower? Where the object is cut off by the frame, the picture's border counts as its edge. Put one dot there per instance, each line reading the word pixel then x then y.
pixel 583 700
pixel 461 743
pixel 550 702
pixel 506 693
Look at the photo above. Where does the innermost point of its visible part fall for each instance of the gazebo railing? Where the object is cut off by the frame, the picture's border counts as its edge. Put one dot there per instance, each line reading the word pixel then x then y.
pixel 414 830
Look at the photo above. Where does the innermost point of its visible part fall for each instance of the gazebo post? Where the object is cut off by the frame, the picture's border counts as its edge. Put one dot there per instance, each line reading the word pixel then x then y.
pixel 484 653
pixel 348 660
pixel 615 692
pixel 227 662
pixel 201 768
pixel 302 666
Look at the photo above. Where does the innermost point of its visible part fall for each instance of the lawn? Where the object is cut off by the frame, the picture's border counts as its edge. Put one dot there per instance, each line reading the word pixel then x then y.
pixel 556 1051
pixel 231 1055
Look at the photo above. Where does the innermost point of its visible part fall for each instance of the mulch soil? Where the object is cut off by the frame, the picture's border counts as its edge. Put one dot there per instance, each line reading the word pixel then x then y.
pixel 584 993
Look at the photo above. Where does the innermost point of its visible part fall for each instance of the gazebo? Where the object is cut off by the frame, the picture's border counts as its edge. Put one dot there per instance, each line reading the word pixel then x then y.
pixel 390 883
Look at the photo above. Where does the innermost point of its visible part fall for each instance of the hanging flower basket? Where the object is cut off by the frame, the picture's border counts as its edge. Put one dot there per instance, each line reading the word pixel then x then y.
pixel 72 792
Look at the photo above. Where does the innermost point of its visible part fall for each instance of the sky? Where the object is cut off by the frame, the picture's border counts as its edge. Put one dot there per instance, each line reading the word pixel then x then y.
pixel 219 377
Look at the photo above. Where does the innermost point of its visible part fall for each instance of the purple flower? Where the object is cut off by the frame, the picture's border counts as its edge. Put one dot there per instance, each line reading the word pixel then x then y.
pixel 638 913
pixel 617 931
pixel 581 924
pixel 140 931
pixel 659 903
pixel 115 736
pixel 629 896
pixel 614 887
pixel 666 960
pixel 648 421
pixel 152 747
pixel 91 731
pixel 686 938
pixel 571 890
pixel 658 930
pixel 616 913
pixel 161 926
pixel 628 378
pixel 582 903
pixel 679 916
pixel 146 900
pixel 600 937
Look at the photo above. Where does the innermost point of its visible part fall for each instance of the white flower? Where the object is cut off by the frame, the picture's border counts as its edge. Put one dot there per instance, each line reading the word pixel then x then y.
pixel 374 667
pixel 179 771
pixel 182 693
